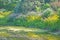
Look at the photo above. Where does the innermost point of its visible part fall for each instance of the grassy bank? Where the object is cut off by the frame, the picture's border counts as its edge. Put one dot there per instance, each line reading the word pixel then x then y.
pixel 21 33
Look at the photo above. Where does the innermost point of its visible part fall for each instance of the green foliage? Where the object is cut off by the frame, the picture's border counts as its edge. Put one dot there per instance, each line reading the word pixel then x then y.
pixel 8 4
pixel 38 9
pixel 21 21
pixel 48 12
pixel 26 6
pixel 45 6
pixel 58 11
pixel 4 17
pixel 32 21
pixel 3 21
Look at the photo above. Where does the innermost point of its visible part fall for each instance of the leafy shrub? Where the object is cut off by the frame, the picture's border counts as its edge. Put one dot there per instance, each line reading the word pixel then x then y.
pixel 48 12
pixel 45 6
pixel 4 17
pixel 58 11
pixel 52 22
pixel 33 21
pixel 4 14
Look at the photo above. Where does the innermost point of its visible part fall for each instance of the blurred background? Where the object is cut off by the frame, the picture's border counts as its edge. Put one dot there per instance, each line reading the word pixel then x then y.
pixel 39 14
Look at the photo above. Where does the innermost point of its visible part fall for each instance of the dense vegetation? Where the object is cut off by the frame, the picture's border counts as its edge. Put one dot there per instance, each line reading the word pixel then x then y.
pixel 30 13
pixel 29 19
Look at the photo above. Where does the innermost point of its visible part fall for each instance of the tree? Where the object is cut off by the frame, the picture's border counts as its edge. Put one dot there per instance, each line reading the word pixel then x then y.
pixel 25 6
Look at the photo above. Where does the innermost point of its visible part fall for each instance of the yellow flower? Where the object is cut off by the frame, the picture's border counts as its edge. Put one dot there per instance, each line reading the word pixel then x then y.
pixel 51 38
pixel 53 18
pixel 3 14
pixel 6 13
pixel 33 35
pixel 32 18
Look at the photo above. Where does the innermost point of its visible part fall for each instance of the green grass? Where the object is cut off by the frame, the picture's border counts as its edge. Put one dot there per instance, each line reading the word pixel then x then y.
pixel 22 33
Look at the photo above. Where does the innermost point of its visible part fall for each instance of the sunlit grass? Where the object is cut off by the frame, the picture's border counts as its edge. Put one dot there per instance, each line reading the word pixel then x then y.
pixel 7 31
pixel 4 34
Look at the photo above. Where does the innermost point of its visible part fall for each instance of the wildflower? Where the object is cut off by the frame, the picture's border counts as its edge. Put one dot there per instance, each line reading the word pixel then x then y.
pixel 52 18
pixel 32 18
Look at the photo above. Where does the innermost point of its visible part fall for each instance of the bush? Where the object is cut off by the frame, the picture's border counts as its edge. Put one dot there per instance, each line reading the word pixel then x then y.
pixel 3 21
pixel 45 6
pixel 52 22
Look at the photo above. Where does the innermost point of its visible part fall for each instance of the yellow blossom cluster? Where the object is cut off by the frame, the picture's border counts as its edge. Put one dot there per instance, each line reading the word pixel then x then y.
pixel 53 18
pixel 32 18
pixel 3 14
pixel 33 35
